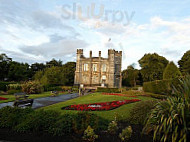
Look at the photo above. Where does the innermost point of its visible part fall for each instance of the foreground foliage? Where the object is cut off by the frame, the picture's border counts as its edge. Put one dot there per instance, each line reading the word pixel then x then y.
pixel 89 135
pixel 49 121
pixel 126 134
pixel 170 118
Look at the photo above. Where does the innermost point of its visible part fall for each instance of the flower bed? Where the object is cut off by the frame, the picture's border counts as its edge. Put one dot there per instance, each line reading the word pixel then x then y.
pixel 2 98
pixel 117 94
pixel 99 106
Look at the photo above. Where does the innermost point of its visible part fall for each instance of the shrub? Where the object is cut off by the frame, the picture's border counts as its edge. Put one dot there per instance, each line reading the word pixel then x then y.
pixel 158 87
pixel 66 88
pixel 170 119
pixel 171 71
pixel 82 120
pixel 112 127
pixel 3 85
pixel 164 87
pixel 13 91
pixel 32 87
pixel 63 126
pixel 14 86
pixel 10 117
pixel 140 111
pixel 89 135
pixel 38 121
pixel 157 96
pixel 108 90
pixel 126 133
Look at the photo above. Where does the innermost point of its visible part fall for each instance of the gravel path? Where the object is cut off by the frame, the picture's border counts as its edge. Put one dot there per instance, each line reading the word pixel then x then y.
pixel 41 102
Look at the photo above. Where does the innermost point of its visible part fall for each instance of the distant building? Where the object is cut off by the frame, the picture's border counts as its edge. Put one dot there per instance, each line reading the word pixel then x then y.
pixel 99 71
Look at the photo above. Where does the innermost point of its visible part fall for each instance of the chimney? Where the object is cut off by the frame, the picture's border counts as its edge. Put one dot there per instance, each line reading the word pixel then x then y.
pixel 99 53
pixel 90 53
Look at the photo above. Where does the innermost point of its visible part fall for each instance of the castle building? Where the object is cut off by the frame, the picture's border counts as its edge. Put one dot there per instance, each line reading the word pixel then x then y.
pixel 99 71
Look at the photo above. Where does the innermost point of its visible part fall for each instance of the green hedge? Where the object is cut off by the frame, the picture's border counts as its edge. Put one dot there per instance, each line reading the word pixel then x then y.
pixel 49 121
pixel 163 87
pixel 108 90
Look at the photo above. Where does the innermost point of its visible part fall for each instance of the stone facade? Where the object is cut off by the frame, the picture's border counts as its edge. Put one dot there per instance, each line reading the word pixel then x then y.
pixel 99 71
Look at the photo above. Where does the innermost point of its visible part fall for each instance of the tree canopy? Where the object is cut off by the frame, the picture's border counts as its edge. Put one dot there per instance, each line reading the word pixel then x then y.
pixel 152 66
pixel 131 77
pixel 184 63
pixel 171 71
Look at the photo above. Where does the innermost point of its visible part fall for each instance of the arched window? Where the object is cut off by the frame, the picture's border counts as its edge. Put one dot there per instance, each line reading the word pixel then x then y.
pixel 94 67
pixel 104 68
pixel 85 67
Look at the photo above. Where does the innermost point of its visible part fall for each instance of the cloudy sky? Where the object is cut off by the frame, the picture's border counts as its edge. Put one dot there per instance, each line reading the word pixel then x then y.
pixel 39 30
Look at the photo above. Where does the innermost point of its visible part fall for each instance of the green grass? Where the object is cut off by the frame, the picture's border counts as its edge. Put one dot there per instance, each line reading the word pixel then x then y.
pixel 122 112
pixel 31 96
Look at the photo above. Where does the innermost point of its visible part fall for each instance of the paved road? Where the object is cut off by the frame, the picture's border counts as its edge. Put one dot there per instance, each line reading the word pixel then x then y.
pixel 41 102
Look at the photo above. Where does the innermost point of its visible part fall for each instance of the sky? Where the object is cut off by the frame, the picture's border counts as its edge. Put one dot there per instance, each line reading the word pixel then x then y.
pixel 39 30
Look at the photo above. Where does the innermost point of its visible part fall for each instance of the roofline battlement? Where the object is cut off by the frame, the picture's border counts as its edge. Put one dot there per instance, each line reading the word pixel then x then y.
pixel 110 51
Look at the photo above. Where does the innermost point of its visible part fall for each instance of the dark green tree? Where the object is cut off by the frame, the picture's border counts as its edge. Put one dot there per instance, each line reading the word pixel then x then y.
pixel 152 67
pixel 35 68
pixel 171 71
pixel 4 66
pixel 54 62
pixel 18 71
pixel 57 75
pixel 130 76
pixel 69 73
pixel 184 63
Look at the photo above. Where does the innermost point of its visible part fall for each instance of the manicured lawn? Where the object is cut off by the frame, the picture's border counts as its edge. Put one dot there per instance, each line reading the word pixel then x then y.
pixel 121 112
pixel 32 96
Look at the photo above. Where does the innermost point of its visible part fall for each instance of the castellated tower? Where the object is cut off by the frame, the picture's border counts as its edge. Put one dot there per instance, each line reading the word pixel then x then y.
pixel 99 71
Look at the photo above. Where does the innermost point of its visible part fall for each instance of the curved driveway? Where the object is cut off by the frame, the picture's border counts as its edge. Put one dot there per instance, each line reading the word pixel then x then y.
pixel 41 102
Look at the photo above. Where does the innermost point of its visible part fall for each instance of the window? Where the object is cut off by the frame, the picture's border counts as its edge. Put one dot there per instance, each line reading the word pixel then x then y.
pixel 85 67
pixel 94 67
pixel 104 67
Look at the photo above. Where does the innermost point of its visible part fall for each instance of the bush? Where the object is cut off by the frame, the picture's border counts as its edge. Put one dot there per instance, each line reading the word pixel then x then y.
pixel 3 85
pixel 13 91
pixel 32 87
pixel 10 117
pixel 89 135
pixel 140 111
pixel 38 121
pixel 112 128
pixel 163 87
pixel 126 133
pixel 66 88
pixel 14 86
pixel 63 126
pixel 171 71
pixel 108 90
pixel 83 119
pixel 52 122
pixel 169 120
pixel 157 96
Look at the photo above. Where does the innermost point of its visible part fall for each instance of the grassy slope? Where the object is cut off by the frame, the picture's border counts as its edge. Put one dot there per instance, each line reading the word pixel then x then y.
pixel 121 112
pixel 32 96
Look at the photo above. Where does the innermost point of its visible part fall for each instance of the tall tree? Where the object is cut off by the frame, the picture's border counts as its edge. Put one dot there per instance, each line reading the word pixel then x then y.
pixel 57 75
pixel 130 76
pixel 18 71
pixel 171 71
pixel 152 66
pixel 36 67
pixel 184 63
pixel 4 66
pixel 54 62
pixel 69 73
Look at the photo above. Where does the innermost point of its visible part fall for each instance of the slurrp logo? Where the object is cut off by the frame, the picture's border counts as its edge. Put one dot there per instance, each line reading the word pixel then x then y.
pixel 76 11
